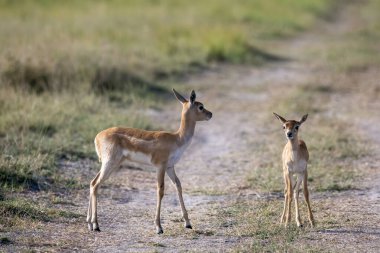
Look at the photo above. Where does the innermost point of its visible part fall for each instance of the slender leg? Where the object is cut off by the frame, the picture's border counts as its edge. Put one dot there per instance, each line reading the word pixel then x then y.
pixel 290 198
pixel 89 211
pixel 160 195
pixel 286 200
pixel 296 193
pixel 306 194
pixel 105 172
pixel 173 177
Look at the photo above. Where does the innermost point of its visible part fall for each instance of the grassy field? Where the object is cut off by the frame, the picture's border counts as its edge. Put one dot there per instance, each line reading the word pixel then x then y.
pixel 70 69
pixel 63 44
pixel 65 74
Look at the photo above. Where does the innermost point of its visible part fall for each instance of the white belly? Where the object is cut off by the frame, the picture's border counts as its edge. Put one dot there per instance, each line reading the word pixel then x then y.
pixel 297 167
pixel 137 157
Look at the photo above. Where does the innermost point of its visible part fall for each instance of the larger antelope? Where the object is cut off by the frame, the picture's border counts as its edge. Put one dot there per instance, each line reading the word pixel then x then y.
pixel 294 161
pixel 158 148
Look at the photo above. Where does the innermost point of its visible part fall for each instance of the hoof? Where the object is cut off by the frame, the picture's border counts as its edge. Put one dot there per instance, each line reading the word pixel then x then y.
pixel 160 231
pixel 189 226
pixel 97 229
pixel 89 225
pixel 300 225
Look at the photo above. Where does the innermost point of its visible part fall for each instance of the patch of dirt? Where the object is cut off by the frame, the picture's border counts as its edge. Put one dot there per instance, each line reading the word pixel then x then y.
pixel 214 169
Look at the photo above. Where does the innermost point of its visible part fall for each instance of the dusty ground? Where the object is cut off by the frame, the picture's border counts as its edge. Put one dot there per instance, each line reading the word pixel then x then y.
pixel 224 150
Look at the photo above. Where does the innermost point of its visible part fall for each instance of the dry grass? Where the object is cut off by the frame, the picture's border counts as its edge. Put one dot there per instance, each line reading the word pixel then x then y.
pixel 35 137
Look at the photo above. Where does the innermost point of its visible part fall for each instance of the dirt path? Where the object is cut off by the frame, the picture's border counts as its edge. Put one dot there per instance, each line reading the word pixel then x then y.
pixel 215 168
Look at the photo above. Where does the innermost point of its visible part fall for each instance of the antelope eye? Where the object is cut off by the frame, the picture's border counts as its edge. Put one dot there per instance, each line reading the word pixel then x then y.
pixel 201 107
pixel 283 127
pixel 297 127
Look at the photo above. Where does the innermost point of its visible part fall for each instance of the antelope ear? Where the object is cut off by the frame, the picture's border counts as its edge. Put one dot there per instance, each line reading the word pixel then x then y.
pixel 192 97
pixel 279 118
pixel 304 118
pixel 179 97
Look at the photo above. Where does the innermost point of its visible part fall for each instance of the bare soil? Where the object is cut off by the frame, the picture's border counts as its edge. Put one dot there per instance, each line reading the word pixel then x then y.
pixel 214 170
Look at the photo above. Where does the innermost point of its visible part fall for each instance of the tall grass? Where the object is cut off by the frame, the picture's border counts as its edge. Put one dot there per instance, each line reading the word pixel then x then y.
pixel 50 43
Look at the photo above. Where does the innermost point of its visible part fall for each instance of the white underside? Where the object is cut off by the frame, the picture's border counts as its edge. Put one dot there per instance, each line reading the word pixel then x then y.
pixel 137 157
pixel 297 167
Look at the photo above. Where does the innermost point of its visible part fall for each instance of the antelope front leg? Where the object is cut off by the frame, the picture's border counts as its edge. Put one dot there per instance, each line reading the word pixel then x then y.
pixel 160 195
pixel 175 180
pixel 296 193
pixel 286 200
pixel 285 206
pixel 289 191
pixel 306 194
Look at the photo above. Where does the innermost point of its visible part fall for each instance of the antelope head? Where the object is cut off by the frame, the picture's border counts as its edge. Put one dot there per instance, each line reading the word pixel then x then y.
pixel 291 127
pixel 192 109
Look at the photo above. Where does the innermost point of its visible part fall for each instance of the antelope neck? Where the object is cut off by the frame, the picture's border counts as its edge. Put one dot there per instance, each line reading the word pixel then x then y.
pixel 294 143
pixel 186 129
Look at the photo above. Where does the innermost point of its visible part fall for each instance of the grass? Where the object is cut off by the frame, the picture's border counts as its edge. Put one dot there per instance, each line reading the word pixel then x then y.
pixel 35 136
pixel 14 211
pixel 147 39
pixel 259 220
pixel 352 50
pixel 58 89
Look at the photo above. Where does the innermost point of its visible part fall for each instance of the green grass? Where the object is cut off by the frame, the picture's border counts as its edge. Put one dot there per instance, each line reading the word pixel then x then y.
pixel 16 210
pixel 37 131
pixel 53 45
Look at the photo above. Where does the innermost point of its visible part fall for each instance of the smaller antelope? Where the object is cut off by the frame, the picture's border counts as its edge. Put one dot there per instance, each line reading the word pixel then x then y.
pixel 294 161
pixel 158 148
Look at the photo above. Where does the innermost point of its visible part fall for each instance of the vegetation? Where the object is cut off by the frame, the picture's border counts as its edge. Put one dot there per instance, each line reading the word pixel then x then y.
pixel 65 75
pixel 14 211
pixel 360 41
pixel 48 45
